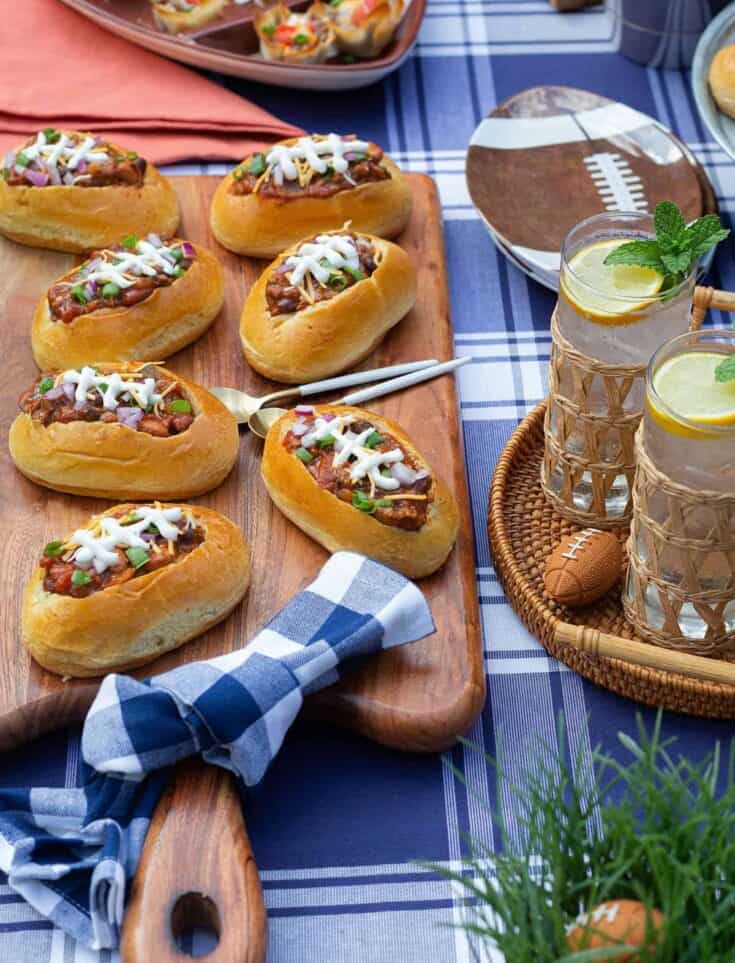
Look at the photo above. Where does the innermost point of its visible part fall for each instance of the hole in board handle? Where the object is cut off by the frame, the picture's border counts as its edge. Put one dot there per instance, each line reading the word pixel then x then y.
pixel 195 924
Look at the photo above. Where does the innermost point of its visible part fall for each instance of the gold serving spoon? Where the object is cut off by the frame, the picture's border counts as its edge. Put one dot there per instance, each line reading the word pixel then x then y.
pixel 262 420
pixel 243 405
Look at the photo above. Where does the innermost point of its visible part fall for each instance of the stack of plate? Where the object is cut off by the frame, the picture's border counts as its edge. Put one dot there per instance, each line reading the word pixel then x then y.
pixel 551 156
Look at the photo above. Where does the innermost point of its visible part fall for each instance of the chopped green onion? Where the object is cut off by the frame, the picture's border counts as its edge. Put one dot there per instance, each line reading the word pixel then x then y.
pixel 268 29
pixel 179 272
pixel 6 173
pixel 77 292
pixel 110 290
pixel 361 501
pixel 45 384
pixel 335 3
pixel 180 406
pixel 300 39
pixel 131 242
pixel 386 472
pixel 355 273
pixel 177 253
pixel 326 441
pixel 304 455
pixel 238 173
pixel 138 557
pixel 80 577
pixel 103 386
pixel 51 135
pixel 131 155
pixel 374 439
pixel 21 160
pixel 337 282
pixel 328 172
pixel 256 165
pixel 53 549
pixel 129 519
pixel 383 503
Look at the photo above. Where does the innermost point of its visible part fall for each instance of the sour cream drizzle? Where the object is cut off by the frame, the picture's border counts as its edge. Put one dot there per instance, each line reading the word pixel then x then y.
pixel 64 149
pixel 110 387
pixel 349 445
pixel 317 154
pixel 99 550
pixel 336 249
pixel 146 259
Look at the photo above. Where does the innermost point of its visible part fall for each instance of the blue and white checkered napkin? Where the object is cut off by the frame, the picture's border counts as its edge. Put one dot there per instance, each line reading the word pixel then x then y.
pixel 69 852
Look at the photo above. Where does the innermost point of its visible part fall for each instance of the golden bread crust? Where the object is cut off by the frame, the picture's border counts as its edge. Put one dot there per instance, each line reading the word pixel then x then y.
pixel 262 226
pixel 337 525
pixel 332 335
pixel 151 330
pixel 114 461
pixel 77 219
pixel 127 625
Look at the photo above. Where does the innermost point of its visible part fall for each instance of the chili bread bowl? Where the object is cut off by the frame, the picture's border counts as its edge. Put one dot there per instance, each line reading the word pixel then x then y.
pixel 359 492
pixel 106 599
pixel 305 185
pixel 123 431
pixel 176 16
pixel 71 191
pixel 324 304
pixel 141 300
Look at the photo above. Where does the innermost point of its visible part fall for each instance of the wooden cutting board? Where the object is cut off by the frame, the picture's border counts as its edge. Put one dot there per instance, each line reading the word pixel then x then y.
pixel 419 697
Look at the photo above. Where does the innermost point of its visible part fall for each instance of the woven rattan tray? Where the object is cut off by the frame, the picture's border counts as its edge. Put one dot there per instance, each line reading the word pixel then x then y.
pixel 524 529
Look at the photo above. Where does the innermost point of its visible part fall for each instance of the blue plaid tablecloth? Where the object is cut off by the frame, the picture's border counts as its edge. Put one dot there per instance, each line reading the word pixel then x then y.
pixel 339 823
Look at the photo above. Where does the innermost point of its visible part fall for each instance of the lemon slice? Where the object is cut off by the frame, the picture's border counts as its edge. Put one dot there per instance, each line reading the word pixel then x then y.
pixel 608 294
pixel 686 384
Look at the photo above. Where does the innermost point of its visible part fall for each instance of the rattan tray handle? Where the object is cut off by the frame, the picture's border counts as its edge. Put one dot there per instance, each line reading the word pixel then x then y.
pixel 705 298
pixel 599 643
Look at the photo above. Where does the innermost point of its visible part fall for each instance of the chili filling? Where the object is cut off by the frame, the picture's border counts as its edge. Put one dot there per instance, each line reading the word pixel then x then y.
pixel 65 575
pixel 256 174
pixel 54 157
pixel 405 505
pixel 120 276
pixel 156 404
pixel 300 32
pixel 323 272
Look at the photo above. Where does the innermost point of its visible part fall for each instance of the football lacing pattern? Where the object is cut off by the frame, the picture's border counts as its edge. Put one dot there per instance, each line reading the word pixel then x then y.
pixel 579 542
pixel 619 188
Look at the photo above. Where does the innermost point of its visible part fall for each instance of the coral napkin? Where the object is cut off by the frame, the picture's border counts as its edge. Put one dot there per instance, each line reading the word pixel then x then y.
pixel 58 69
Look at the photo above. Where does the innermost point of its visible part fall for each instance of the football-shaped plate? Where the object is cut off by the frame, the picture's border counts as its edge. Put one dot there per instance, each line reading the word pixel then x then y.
pixel 551 156
pixel 719 33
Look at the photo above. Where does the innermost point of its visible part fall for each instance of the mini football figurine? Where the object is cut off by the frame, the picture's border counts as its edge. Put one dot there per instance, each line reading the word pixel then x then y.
pixel 583 567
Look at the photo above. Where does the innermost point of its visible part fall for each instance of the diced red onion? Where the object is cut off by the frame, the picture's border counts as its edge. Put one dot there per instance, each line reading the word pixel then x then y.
pixel 9 159
pixel 148 536
pixel 68 178
pixel 350 155
pixel 55 393
pixel 68 390
pixel 328 416
pixel 304 410
pixel 90 289
pixel 54 175
pixel 299 428
pixel 402 473
pixel 79 405
pixel 129 416
pixel 37 178
pixel 19 170
pixel 188 249
pixel 154 239
pixel 82 167
pixel 94 264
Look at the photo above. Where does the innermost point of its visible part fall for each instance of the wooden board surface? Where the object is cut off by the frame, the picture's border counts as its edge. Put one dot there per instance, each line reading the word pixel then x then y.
pixel 419 697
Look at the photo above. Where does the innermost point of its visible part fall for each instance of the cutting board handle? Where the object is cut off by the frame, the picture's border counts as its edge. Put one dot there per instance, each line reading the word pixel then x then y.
pixel 197 871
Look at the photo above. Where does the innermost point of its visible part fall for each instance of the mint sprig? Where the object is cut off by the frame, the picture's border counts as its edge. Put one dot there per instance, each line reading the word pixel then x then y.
pixel 725 370
pixel 676 247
